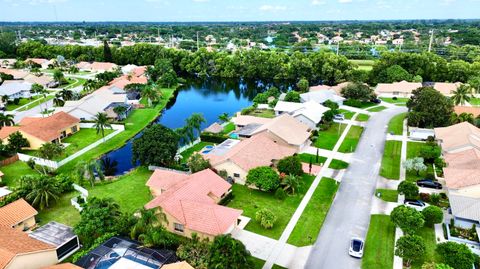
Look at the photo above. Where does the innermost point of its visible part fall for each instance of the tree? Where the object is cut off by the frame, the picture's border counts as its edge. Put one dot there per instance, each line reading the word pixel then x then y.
pixel 223 117
pixel 98 217
pixel 290 183
pixel 90 171
pixel 462 95
pixel 292 96
pixel 66 94
pixel 107 53
pixel 195 252
pixel 266 218
pixel 58 100
pixel 432 215
pixel 290 165
pixel 16 142
pixel 429 108
pixel 6 120
pixel 264 178
pixel 409 189
pixel 261 98
pixel 120 111
pixel 151 94
pixel 109 166
pixel 101 122
pixel 50 150
pixel 197 163
pixel 407 219
pixel 157 146
pixel 358 91
pixel 59 77
pixel 44 191
pixel 415 164
pixel 194 123
pixel 410 248
pixel 395 73
pixel 433 265
pixel 227 252
pixel 456 255
pixel 303 85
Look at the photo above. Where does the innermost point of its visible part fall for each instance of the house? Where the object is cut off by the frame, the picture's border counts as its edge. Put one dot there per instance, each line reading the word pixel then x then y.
pixel 125 80
pixel 309 113
pixel 96 66
pixel 4 193
pixel 58 235
pixel 66 265
pixel 90 105
pixel 45 81
pixel 190 202
pixel 17 74
pixel 243 120
pixel 466 210
pixel 321 96
pixel 214 128
pixel 15 89
pixel 397 89
pixel 446 88
pixel 238 157
pixel 18 215
pixel 40 61
pixel 7 63
pixel 474 110
pixel 337 89
pixel 39 131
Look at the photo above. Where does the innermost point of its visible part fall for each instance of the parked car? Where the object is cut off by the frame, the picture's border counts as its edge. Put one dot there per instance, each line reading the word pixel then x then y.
pixel 427 183
pixel 376 101
pixel 416 204
pixel 356 247
pixel 339 117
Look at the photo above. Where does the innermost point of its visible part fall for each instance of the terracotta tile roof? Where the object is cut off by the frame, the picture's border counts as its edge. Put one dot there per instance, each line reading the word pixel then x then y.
pixel 125 80
pixel 165 179
pixel 445 87
pixel 458 136
pixel 101 66
pixel 463 168
pixel 63 266
pixel 39 61
pixel 189 201
pixel 259 150
pixel 49 128
pixel 337 89
pixel 401 87
pixel 17 74
pixel 287 128
pixel 474 110
pixel 16 212
pixel 14 242
pixel 8 130
pixel 178 265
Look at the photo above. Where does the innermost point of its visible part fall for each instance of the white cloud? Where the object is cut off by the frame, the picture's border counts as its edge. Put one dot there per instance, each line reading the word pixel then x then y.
pixel 318 2
pixel 272 8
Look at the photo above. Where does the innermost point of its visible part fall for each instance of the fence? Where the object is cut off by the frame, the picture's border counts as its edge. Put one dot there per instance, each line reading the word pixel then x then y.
pixel 182 149
pixel 9 160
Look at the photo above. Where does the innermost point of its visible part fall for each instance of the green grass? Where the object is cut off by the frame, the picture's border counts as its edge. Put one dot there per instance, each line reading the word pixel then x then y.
pixel 413 150
pixel 14 171
pixel 328 138
pixel 228 128
pixel 428 235
pixel 257 263
pixel 335 164
pixel 395 125
pixel 189 152
pixel 36 103
pixel 475 101
pixel 264 113
pixel 380 243
pixel 365 65
pixel 362 117
pixel 400 100
pixel 391 160
pixel 347 113
pixel 81 139
pixel 23 101
pixel 250 201
pixel 76 83
pixel 309 225
pixel 376 109
pixel 387 195
pixel 350 142
pixel 62 211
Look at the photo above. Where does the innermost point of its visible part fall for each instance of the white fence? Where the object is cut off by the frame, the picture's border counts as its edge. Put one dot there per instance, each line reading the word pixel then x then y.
pixel 83 194
pixel 182 149
pixel 55 165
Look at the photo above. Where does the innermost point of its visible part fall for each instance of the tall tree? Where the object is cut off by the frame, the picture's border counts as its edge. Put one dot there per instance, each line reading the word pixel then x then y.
pixel 101 122
pixel 227 252
pixel 224 117
pixel 44 191
pixel 410 248
pixel 107 53
pixel 6 120
pixel 462 95
pixel 157 146
pixel 194 122
pixel 429 108
pixel 151 94
pixel 406 218
pixel 16 142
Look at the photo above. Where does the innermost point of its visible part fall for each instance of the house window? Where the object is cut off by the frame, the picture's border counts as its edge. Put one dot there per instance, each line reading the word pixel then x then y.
pixel 179 227
pixel 396 93
pixel 74 129
pixel 236 174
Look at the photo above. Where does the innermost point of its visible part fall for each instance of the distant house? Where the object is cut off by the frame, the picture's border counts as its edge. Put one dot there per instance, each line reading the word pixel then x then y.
pixel 125 80
pixel 310 113
pixel 190 202
pixel 17 74
pixel 397 89
pixel 40 61
pixel 18 215
pixel 446 88
pixel 337 89
pixel 474 110
pixel 321 96
pixel 39 131
pixel 96 66
pixel 45 81
pixel 15 89
pixel 243 120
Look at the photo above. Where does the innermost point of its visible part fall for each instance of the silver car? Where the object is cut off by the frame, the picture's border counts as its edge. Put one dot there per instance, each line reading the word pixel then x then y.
pixel 356 247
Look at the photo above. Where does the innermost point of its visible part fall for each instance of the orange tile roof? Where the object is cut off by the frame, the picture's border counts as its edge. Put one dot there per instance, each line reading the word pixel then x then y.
pixel 17 74
pixel 125 80
pixel 474 110
pixel 101 66
pixel 445 87
pixel 190 203
pixel 402 87
pixel 8 130
pixel 63 266
pixel 39 61
pixel 16 212
pixel 458 136
pixel 165 179
pixel 49 128
pixel 14 242
pixel 463 168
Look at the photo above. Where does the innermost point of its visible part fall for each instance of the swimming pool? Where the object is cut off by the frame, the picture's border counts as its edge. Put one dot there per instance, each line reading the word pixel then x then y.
pixel 234 135
pixel 209 147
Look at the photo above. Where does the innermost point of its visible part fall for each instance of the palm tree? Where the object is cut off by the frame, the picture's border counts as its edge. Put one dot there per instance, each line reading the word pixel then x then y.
pixel 148 219
pixel 223 117
pixel 463 117
pixel 90 171
pixel 151 94
pixel 194 122
pixel 291 183
pixel 44 191
pixel 120 111
pixel 101 122
pixel 66 94
pixel 6 120
pixel 50 150
pixel 58 100
pixel 109 166
pixel 5 99
pixel 184 135
pixel 462 95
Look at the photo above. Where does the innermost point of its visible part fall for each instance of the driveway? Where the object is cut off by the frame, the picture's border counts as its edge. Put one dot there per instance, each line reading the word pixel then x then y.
pixel 35 111
pixel 350 213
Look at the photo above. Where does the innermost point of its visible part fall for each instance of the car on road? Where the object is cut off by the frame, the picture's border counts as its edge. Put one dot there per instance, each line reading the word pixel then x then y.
pixel 356 247
pixel 339 117
pixel 427 183
pixel 416 204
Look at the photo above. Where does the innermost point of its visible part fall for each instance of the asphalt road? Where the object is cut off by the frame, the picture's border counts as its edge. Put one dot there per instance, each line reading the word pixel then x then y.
pixel 349 215
pixel 35 111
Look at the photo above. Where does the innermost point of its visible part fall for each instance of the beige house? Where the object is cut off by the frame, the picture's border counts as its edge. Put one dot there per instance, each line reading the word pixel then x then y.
pixel 18 215
pixel 397 89
pixel 446 88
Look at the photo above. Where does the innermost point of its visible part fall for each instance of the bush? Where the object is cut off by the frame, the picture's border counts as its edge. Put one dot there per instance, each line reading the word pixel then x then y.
pixel 458 256
pixel 409 189
pixel 394 98
pixel 432 215
pixel 280 194
pixel 353 103
pixel 434 198
pixel 292 96
pixel 261 98
pixel 425 197
pixel 65 183
pixel 430 176
pixel 247 110
pixel 264 178
pixel 213 138
pixel 290 165
pixel 266 218
pixel 16 101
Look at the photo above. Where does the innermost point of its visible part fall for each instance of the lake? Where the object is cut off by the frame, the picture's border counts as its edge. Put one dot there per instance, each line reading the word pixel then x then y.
pixel 210 98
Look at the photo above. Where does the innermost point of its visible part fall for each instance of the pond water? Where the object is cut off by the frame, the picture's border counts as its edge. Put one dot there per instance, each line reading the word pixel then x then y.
pixel 210 98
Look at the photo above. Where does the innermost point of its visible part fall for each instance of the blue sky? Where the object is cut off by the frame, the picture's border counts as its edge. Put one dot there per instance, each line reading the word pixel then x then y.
pixel 234 10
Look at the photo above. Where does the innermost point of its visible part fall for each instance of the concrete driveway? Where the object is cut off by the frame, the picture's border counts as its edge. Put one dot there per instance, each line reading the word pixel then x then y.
pixel 349 215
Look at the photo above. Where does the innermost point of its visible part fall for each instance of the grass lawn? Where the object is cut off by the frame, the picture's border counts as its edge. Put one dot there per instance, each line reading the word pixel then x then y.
pixel 75 82
pixel 364 105
pixel 362 117
pixel 335 164
pixel 264 113
pixel 82 139
pixel 391 160
pixel 376 109
pixel 350 142
pixel 189 152
pixel 309 225
pixel 23 101
pixel 14 171
pixel 387 195
pixel 366 65
pixel 250 201
pixel 36 103
pixel 475 101
pixel 328 138
pixel 347 113
pixel 62 211
pixel 399 101
pixel 395 125
pixel 380 243
pixel 413 150
pixel 229 127
pixel 428 235
pixel 257 263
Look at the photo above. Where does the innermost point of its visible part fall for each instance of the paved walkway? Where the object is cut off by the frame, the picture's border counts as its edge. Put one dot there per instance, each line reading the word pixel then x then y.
pixel 355 109
pixel 324 152
pixel 385 183
pixel 382 207
pixel 33 112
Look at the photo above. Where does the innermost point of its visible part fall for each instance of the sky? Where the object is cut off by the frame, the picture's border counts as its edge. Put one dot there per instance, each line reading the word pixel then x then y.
pixel 235 10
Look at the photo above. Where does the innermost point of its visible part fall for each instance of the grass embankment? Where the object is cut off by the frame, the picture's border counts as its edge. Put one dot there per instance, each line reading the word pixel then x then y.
pixel 391 160
pixel 395 125
pixel 335 164
pixel 378 253
pixel 328 138
pixel 350 142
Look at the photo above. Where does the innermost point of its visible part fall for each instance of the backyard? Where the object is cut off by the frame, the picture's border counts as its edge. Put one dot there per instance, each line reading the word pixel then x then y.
pixel 328 138
pixel 335 164
pixel 36 102
pixel 428 235
pixel 250 201
pixel 395 126
pixel 22 101
pixel 308 226
pixel 350 142
pixel 391 160
pixel 189 152
pixel 380 243
pixel 264 113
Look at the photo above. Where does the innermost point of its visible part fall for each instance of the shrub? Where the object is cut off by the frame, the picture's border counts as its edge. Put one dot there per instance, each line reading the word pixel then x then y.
pixel 409 189
pixel 292 96
pixel 261 98
pixel 410 248
pixel 425 197
pixel 247 110
pixel 16 101
pixel 458 256
pixel 430 176
pixel 290 165
pixel 213 138
pixel 407 219
pixel 432 215
pixel 264 178
pixel 223 174
pixel 434 198
pixel 353 103
pixel 394 98
pixel 280 194
pixel 266 218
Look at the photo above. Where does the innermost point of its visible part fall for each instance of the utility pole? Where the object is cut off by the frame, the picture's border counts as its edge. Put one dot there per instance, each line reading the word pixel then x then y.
pixel 431 41
pixel 198 46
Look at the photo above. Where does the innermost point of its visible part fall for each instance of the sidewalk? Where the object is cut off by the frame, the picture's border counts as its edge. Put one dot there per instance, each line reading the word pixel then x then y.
pixel 381 207
pixel 324 152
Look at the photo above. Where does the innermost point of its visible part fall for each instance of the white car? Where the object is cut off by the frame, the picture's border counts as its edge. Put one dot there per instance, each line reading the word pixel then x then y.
pixel 339 117
pixel 356 247
pixel 416 204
